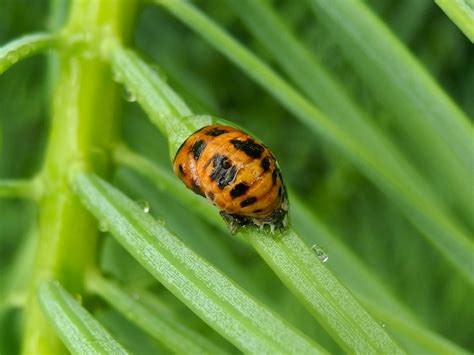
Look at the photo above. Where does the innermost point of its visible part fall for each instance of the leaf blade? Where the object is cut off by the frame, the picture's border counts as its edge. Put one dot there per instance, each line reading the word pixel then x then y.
pixel 461 13
pixel 207 292
pixel 416 202
pixel 347 267
pixel 167 329
pixel 422 110
pixel 79 331
pixel 330 302
pixel 24 47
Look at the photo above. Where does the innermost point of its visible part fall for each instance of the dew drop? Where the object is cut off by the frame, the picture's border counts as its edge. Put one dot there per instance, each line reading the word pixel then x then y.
pixel 320 253
pixel 144 205
pixel 103 227
pixel 383 325
pixel 128 95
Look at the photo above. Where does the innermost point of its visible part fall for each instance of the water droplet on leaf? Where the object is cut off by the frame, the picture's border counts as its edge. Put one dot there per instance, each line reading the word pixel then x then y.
pixel 144 205
pixel 128 95
pixel 103 227
pixel 320 253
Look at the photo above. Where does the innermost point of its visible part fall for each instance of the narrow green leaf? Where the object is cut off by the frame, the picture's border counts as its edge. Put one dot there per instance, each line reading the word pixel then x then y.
pixel 347 267
pixel 168 182
pixel 359 281
pixel 302 67
pixel 461 12
pixel 419 206
pixel 438 130
pixel 416 337
pixel 322 294
pixel 24 47
pixel 160 178
pixel 165 327
pixel 79 331
pixel 352 271
pixel 161 104
pixel 366 286
pixel 19 188
pixel 206 291
pixel 319 85
pixel 300 284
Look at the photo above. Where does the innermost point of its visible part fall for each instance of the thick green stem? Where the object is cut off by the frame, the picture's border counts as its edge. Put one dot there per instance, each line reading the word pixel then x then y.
pixel 84 125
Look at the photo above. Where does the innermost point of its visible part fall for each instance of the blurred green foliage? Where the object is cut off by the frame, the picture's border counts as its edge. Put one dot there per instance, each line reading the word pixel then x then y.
pixel 366 220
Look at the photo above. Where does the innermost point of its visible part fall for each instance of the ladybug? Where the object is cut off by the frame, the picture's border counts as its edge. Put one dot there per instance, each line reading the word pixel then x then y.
pixel 235 172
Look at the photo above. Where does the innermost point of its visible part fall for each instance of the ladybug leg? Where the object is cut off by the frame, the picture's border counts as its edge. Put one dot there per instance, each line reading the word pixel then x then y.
pixel 233 221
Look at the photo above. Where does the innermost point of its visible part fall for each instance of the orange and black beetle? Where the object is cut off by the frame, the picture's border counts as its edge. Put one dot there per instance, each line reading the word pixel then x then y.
pixel 236 173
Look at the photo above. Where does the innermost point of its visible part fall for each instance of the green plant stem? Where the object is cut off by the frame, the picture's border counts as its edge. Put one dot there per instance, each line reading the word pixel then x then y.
pixel 461 12
pixel 163 326
pixel 24 47
pixel 417 203
pixel 81 333
pixel 83 126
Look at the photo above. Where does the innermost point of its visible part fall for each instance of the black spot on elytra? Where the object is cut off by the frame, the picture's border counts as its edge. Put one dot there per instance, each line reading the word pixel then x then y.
pixel 216 132
pixel 258 210
pixel 239 190
pixel 196 188
pixel 248 201
pixel 197 149
pixel 274 176
pixel 265 164
pixel 280 191
pixel 181 170
pixel 223 171
pixel 249 147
